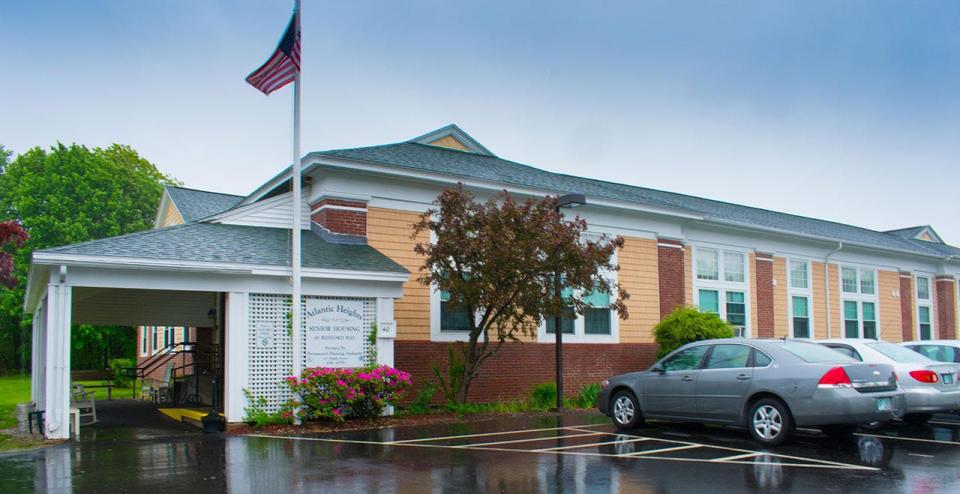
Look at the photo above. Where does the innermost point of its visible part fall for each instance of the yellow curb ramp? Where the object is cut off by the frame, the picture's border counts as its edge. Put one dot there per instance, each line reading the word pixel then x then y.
pixel 184 414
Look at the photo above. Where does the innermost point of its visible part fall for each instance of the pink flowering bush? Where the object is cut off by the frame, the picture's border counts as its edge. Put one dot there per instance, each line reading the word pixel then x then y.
pixel 341 393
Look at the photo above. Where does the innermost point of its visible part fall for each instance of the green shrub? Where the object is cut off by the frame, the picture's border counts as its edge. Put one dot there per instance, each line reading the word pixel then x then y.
pixel 120 376
pixel 687 324
pixel 587 396
pixel 341 393
pixel 450 380
pixel 421 404
pixel 257 416
pixel 544 396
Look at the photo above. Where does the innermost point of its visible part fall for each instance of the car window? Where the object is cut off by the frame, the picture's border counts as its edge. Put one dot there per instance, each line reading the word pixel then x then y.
pixel 814 352
pixel 850 352
pixel 941 353
pixel 686 360
pixel 728 357
pixel 928 351
pixel 898 353
pixel 760 359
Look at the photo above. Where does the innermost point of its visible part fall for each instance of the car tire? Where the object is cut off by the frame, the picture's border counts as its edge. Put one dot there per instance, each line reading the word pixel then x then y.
pixel 839 431
pixel 769 422
pixel 917 418
pixel 625 410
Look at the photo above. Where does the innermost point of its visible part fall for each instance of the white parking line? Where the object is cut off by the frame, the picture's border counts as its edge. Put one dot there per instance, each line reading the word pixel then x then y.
pixel 529 440
pixel 917 439
pixel 736 457
pixel 662 450
pixel 590 445
pixel 501 433
pixel 920 455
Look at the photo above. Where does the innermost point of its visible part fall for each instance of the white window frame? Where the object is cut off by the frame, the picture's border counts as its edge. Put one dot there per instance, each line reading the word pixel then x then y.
pixel 144 349
pixel 154 340
pixel 721 285
pixel 928 303
pixel 800 292
pixel 859 297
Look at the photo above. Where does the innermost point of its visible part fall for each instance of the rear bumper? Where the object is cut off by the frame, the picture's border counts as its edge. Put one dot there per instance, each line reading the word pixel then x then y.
pixel 603 401
pixel 931 400
pixel 846 406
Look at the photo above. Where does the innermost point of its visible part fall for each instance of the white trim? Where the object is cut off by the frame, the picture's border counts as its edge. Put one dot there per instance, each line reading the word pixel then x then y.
pixel 673 246
pixel 859 298
pixel 339 208
pixel 800 292
pixel 764 259
pixel 926 303
pixel 720 285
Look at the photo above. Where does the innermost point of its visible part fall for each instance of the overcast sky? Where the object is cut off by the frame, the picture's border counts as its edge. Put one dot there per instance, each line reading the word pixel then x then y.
pixel 841 110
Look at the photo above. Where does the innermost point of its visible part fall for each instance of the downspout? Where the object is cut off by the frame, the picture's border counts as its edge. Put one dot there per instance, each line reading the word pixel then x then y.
pixel 826 283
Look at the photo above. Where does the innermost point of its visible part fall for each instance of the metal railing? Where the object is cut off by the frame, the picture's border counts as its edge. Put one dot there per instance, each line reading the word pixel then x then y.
pixel 205 359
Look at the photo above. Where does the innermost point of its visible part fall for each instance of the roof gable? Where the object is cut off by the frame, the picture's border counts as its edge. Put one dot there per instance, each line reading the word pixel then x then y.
pixel 452 137
pixel 925 233
pixel 193 205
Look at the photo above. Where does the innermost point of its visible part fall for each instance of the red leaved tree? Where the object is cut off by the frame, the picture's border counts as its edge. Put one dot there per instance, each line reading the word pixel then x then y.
pixel 497 260
pixel 11 234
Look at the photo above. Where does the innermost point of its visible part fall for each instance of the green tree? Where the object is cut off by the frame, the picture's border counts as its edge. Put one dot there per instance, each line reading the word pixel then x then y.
pixel 686 325
pixel 64 195
pixel 497 260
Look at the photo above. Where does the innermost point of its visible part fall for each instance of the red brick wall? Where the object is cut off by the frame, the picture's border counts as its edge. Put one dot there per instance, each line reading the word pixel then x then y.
pixel 156 373
pixel 947 308
pixel 518 367
pixel 764 274
pixel 670 267
pixel 341 220
pixel 906 305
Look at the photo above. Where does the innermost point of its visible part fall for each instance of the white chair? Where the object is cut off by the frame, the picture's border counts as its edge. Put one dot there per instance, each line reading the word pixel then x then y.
pixel 86 405
pixel 164 392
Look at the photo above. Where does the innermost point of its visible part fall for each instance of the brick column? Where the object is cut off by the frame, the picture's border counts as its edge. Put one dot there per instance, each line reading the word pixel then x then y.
pixel 947 307
pixel 906 305
pixel 670 269
pixel 764 273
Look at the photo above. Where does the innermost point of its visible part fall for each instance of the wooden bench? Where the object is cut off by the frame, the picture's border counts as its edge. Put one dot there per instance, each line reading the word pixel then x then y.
pixel 95 375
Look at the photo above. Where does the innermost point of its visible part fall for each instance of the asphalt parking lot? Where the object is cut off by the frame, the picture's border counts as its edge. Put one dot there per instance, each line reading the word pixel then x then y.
pixel 577 454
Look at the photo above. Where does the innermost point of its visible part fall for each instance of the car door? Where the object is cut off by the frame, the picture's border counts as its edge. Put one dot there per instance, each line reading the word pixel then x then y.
pixel 668 388
pixel 723 382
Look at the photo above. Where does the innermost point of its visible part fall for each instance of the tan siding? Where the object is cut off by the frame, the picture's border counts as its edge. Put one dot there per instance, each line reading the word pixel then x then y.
pixel 171 215
pixel 388 231
pixel 639 277
pixel 688 274
pixel 780 318
pixel 891 327
pixel 449 142
pixel 819 300
pixel 752 269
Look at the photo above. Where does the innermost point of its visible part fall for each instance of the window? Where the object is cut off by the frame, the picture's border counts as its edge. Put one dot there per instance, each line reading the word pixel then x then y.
pixel 844 349
pixel 799 274
pixel 156 345
pixel 940 353
pixel 707 265
pixel 144 344
pixel 859 319
pixel 721 288
pixel 567 323
pixel 688 359
pixel 851 321
pixel 898 353
pixel 452 319
pixel 733 267
pixel 813 352
pixel 869 312
pixel 924 323
pixel 761 359
pixel 923 288
pixel 728 357
pixel 867 282
pixel 849 277
pixel 186 334
pixel 596 320
pixel 801 317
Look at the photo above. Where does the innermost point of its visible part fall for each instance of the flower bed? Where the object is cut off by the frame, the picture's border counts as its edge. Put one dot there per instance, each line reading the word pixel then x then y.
pixel 338 394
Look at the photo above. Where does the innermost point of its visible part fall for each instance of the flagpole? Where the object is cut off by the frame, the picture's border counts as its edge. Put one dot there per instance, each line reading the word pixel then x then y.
pixel 295 333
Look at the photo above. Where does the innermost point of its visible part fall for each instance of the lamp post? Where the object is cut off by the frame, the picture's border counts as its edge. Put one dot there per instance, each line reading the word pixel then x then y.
pixel 564 201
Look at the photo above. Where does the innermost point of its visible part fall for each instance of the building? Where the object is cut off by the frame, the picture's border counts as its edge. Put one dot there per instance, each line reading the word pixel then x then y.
pixel 770 274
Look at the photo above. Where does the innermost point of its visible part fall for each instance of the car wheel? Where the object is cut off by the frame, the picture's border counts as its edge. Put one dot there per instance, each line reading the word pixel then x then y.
pixel 839 431
pixel 770 422
pixel 625 410
pixel 917 418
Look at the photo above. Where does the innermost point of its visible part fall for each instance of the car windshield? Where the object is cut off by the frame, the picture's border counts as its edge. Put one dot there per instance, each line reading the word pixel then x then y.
pixel 898 353
pixel 812 352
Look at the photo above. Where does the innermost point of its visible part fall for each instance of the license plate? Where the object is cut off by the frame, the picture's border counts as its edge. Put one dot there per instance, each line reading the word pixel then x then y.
pixel 947 378
pixel 884 404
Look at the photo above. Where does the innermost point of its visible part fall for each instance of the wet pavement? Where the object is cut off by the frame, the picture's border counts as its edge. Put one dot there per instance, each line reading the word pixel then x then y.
pixel 573 454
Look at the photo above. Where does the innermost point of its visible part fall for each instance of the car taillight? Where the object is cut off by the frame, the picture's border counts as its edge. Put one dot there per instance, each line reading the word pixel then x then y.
pixel 925 376
pixel 835 378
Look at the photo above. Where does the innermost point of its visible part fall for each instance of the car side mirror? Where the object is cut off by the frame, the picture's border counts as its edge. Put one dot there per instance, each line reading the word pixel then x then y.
pixel 658 369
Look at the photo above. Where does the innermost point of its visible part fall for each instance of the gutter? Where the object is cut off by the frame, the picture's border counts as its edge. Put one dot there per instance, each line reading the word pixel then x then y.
pixel 826 283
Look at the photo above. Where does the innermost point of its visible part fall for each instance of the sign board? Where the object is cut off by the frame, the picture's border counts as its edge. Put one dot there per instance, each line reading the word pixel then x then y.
pixel 388 329
pixel 266 338
pixel 335 333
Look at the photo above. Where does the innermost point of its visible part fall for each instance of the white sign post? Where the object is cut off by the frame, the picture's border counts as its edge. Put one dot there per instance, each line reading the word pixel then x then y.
pixel 335 333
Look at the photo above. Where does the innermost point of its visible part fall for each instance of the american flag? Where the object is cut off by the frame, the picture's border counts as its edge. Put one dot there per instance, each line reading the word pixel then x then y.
pixel 283 65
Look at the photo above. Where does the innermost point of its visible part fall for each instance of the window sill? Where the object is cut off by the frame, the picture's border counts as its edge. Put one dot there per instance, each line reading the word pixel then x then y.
pixel 578 338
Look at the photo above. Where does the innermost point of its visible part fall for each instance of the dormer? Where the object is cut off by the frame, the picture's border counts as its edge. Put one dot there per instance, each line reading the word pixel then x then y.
pixel 925 233
pixel 452 137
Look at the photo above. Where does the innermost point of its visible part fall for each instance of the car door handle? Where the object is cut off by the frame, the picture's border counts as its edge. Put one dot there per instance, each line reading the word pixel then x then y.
pixel 687 378
pixel 743 377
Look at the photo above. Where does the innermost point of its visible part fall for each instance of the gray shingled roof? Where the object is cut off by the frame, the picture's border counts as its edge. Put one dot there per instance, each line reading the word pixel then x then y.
pixel 198 204
pixel 456 163
pixel 911 234
pixel 219 243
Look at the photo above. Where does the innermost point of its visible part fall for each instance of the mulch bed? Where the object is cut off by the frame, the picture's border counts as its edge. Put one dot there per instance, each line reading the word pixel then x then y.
pixel 316 427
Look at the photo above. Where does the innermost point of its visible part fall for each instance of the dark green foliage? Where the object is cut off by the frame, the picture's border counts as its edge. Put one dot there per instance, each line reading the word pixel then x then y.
pixel 544 396
pixel 119 366
pixel 449 381
pixel 686 325
pixel 587 396
pixel 65 195
pixel 422 403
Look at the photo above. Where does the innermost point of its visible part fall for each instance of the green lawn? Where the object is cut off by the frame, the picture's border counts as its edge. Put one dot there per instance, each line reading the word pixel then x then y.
pixel 13 390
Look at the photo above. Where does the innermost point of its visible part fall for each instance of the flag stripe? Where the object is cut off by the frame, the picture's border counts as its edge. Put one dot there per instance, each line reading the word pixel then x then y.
pixel 283 65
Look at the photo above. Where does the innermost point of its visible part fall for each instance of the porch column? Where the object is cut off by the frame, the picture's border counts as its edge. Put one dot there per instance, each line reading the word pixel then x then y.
pixel 386 331
pixel 235 356
pixel 57 400
pixel 37 350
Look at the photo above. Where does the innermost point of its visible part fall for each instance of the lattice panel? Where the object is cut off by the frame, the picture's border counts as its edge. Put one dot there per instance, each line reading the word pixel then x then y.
pixel 268 366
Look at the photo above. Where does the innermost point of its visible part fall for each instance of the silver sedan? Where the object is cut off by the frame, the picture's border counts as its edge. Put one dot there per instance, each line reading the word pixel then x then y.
pixel 768 386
